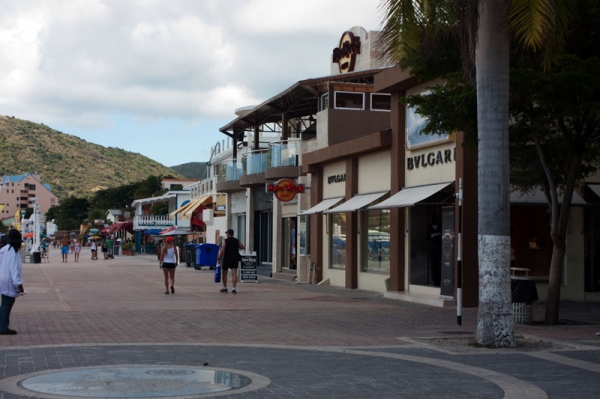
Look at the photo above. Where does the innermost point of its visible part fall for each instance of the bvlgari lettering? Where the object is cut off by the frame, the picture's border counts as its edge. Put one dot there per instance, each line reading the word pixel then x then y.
pixel 430 159
pixel 336 179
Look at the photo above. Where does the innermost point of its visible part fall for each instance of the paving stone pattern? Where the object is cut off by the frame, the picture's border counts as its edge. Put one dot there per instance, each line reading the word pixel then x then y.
pixel 309 341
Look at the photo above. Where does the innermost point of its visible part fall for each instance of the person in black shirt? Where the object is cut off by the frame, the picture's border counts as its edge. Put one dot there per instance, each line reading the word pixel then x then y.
pixel 231 257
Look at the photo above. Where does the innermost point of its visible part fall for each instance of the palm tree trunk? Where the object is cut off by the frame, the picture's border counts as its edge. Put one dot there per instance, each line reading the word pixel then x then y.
pixel 494 320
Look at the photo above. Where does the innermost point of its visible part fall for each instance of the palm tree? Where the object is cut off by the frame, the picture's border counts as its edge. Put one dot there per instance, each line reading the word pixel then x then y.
pixel 485 28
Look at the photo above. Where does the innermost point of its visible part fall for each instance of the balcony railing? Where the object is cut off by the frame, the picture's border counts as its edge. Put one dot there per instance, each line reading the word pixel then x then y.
pixel 152 221
pixel 229 171
pixel 255 162
pixel 284 153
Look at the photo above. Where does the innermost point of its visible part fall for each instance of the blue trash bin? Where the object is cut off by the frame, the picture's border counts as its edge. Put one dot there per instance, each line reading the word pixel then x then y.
pixel 206 255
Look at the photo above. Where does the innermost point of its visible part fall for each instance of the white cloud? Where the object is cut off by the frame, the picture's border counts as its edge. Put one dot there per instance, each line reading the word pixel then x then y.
pixel 78 64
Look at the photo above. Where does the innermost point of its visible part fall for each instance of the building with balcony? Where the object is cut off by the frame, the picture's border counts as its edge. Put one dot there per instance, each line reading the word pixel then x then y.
pixel 378 207
pixel 16 193
pixel 270 140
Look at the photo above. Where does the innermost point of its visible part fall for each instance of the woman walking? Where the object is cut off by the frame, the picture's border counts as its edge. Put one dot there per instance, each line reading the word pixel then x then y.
pixel 11 283
pixel 168 262
pixel 94 249
pixel 77 249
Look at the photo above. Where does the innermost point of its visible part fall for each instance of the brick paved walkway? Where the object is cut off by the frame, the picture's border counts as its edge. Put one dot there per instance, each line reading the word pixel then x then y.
pixel 308 341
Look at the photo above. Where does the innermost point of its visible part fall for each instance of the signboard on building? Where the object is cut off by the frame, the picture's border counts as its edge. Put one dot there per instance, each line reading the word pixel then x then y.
pixel 248 267
pixel 285 190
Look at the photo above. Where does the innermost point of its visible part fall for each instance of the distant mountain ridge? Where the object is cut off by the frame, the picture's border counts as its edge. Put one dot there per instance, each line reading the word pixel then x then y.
pixel 192 170
pixel 72 166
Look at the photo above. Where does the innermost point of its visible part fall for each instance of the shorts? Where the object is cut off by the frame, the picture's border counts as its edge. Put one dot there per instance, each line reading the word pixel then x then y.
pixel 169 265
pixel 230 265
pixel 64 250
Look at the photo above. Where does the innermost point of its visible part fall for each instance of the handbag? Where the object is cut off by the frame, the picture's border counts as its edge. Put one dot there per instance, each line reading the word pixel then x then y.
pixel 218 273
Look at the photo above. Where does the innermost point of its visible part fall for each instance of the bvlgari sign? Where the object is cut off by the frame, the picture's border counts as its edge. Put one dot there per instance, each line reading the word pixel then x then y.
pixel 285 189
pixel 345 54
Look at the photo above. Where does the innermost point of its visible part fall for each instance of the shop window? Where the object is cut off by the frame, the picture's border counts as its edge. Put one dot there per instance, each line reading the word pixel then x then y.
pixel 324 101
pixel 337 240
pixel 349 100
pixel 375 246
pixel 304 235
pixel 381 102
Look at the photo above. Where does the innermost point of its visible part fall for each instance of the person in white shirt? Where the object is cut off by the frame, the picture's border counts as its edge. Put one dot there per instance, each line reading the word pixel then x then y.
pixel 168 262
pixel 11 283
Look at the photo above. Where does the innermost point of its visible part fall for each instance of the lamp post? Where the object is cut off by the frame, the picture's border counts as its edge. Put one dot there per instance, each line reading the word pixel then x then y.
pixel 23 220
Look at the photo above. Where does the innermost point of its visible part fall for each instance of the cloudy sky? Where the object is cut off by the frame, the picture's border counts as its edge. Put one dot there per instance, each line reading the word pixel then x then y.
pixel 160 77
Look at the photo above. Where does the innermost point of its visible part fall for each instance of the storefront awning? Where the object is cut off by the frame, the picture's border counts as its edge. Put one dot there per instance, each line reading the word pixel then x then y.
pixel 538 197
pixel 595 188
pixel 322 206
pixel 186 211
pixel 190 210
pixel 182 209
pixel 359 201
pixel 410 196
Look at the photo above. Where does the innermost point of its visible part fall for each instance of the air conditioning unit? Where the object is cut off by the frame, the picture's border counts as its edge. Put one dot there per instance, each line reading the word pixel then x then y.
pixel 207 216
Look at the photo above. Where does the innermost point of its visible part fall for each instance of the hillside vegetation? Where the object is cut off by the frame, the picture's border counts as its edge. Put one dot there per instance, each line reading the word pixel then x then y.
pixel 192 170
pixel 71 166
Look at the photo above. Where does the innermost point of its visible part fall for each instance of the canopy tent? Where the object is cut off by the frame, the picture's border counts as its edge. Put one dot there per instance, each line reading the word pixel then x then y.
pixel 121 226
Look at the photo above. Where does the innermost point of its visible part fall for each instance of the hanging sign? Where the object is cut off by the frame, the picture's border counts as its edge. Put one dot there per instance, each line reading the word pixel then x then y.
pixel 285 189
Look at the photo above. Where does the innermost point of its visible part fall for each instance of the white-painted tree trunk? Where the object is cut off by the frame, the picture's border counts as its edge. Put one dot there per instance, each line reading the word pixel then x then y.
pixel 494 319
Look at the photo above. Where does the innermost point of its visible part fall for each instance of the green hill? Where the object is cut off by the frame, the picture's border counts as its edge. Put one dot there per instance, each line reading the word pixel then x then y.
pixel 192 170
pixel 71 166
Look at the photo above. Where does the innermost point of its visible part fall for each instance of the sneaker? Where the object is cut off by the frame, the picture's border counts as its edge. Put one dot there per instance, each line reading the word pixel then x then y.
pixel 8 332
pixel 223 290
pixel 233 291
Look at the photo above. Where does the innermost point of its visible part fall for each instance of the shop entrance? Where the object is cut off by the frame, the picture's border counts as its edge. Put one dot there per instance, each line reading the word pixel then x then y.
pixel 263 236
pixel 426 235
pixel 288 244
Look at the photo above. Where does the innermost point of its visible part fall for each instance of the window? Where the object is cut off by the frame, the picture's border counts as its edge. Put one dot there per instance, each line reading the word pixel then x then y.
pixel 381 102
pixel 324 101
pixel 176 187
pixel 375 246
pixel 349 100
pixel 337 240
pixel 31 187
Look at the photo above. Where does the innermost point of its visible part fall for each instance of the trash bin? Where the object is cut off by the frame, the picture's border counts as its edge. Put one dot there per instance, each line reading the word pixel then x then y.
pixel 190 255
pixel 36 257
pixel 117 250
pixel 206 255
pixel 524 293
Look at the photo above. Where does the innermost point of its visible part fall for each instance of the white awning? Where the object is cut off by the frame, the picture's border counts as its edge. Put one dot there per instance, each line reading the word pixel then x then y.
pixel 357 202
pixel 321 206
pixel 538 197
pixel 410 196
pixel 595 188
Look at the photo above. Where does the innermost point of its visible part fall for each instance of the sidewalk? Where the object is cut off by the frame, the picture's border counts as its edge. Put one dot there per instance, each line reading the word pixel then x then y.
pixel 306 340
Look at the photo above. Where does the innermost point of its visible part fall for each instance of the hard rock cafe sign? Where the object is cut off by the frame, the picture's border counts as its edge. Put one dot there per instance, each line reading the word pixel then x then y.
pixel 285 189
pixel 345 54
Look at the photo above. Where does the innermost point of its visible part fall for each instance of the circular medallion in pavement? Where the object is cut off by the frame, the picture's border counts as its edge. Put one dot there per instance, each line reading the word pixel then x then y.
pixel 136 382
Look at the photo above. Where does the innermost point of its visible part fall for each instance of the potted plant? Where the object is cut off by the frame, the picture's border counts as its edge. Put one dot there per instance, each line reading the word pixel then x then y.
pixel 128 248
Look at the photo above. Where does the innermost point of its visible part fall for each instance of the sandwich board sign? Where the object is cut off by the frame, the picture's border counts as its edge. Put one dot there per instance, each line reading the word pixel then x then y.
pixel 248 267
